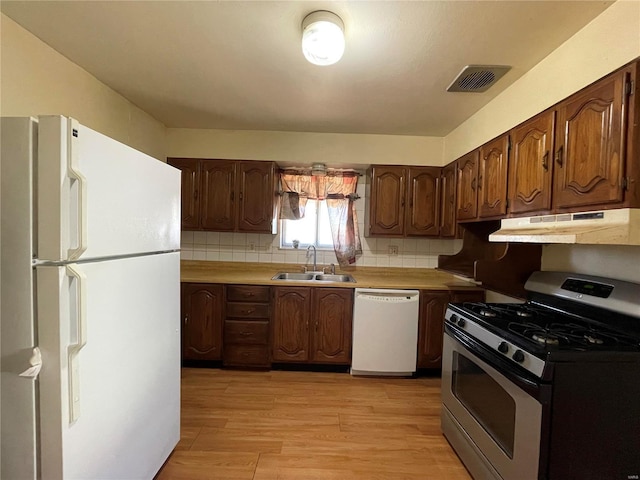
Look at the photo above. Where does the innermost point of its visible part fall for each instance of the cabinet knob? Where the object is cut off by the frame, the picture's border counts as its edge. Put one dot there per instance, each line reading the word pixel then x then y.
pixel 473 184
pixel 186 319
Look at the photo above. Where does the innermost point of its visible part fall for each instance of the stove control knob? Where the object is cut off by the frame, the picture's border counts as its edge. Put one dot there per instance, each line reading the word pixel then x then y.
pixel 461 322
pixel 453 318
pixel 503 347
pixel 518 356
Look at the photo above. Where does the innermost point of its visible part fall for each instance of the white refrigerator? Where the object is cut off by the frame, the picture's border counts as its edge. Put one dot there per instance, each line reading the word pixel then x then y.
pixel 90 304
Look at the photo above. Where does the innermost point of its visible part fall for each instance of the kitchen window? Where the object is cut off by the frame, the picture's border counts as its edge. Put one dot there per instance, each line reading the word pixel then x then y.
pixel 313 229
pixel 319 210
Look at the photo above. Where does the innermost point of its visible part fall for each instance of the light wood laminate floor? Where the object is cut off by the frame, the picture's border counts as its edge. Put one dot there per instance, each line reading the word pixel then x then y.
pixel 309 425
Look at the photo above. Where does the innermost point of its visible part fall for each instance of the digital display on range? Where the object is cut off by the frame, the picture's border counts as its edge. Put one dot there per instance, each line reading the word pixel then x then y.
pixel 589 288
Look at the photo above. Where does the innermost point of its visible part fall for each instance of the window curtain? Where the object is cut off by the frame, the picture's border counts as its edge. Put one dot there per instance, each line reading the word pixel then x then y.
pixel 339 191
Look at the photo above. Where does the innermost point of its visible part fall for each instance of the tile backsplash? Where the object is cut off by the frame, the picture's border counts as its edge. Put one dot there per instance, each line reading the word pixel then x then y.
pixel 265 248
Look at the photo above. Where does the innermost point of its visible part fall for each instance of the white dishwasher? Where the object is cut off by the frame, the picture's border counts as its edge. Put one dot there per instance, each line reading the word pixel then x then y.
pixel 385 332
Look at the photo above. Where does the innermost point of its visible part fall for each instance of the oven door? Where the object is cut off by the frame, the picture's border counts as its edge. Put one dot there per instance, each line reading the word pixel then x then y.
pixel 492 414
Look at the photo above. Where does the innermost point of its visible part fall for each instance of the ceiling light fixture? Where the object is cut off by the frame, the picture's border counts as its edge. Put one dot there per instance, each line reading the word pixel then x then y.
pixel 322 38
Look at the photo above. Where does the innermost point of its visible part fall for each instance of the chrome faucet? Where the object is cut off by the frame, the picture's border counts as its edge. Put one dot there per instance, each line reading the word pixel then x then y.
pixel 315 266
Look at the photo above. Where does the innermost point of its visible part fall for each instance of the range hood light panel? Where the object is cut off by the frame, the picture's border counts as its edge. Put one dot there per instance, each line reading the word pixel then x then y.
pixel 607 227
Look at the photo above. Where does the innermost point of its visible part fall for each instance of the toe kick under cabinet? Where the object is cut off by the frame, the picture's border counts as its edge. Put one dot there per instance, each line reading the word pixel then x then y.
pixel 246 326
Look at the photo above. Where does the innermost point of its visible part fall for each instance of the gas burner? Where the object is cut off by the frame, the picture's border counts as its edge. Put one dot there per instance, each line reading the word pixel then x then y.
pixel 546 339
pixel 488 313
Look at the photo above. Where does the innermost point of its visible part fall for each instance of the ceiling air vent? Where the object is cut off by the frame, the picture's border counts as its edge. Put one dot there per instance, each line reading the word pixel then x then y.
pixel 477 78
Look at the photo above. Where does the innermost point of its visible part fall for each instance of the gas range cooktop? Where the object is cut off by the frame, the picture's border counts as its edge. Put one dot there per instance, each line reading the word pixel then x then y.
pixel 568 318
pixel 540 328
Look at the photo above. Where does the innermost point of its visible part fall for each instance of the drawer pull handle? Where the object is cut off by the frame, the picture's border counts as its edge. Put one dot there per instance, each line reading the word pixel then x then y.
pixel 248 294
pixel 246 334
pixel 247 312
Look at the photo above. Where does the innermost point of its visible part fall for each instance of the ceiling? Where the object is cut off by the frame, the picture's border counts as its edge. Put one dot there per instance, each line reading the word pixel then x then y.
pixel 239 64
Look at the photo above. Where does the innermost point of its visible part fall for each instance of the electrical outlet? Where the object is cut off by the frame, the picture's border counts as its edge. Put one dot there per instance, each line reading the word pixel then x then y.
pixel 393 250
pixel 252 246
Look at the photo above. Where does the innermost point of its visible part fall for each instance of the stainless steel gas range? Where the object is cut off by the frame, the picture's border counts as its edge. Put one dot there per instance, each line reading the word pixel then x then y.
pixel 548 389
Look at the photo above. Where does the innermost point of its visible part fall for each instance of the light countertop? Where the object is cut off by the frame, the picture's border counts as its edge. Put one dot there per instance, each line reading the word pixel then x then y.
pixel 366 277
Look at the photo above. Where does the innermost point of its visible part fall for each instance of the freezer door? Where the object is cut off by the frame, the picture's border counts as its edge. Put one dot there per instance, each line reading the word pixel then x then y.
pixel 110 381
pixel 17 329
pixel 100 198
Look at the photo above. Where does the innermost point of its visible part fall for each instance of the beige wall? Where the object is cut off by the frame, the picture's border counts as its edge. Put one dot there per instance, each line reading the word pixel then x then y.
pixel 37 80
pixel 334 149
pixel 611 40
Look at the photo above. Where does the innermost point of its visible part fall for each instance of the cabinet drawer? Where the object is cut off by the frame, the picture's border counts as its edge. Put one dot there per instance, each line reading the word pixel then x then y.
pixel 246 333
pixel 247 293
pixel 246 355
pixel 247 310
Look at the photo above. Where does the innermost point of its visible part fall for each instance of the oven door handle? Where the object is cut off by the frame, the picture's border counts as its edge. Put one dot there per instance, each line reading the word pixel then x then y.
pixel 530 385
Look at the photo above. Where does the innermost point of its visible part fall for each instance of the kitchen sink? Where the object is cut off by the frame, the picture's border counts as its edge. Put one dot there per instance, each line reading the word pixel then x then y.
pixel 334 278
pixel 293 276
pixel 312 277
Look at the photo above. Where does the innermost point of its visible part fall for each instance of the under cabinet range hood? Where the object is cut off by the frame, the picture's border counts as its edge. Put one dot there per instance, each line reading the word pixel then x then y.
pixel 603 227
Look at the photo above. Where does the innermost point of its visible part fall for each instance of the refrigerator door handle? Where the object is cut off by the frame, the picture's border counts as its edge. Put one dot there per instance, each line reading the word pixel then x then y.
pixel 74 173
pixel 79 326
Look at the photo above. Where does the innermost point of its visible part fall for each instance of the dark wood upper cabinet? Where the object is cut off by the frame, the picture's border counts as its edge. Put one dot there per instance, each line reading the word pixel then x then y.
pixel 255 188
pixel 217 202
pixel 423 193
pixel 590 145
pixel 492 178
pixel 531 165
pixel 227 195
pixel 291 314
pixel 404 201
pixel 331 321
pixel 467 194
pixel 202 321
pixel 190 192
pixel 387 200
pixel 448 189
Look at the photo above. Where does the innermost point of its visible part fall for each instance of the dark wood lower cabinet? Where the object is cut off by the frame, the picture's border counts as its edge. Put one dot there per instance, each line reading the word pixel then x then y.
pixel 433 305
pixel 246 326
pixel 312 325
pixel 332 321
pixel 301 325
pixel 201 321
pixel 430 328
pixel 291 313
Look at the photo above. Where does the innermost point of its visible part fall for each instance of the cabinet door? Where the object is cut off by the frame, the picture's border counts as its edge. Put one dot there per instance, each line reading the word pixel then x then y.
pixel 590 141
pixel 467 195
pixel 256 196
pixel 202 321
pixel 431 328
pixel 331 325
pixel 190 168
pixel 217 202
pixel 387 201
pixel 292 306
pixel 448 201
pixel 422 213
pixel 492 178
pixel 531 165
